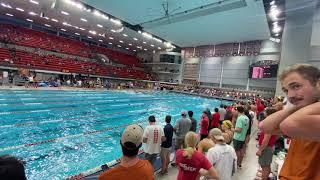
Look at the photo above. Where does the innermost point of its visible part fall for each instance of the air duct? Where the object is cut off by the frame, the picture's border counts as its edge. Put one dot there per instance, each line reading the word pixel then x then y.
pixel 217 7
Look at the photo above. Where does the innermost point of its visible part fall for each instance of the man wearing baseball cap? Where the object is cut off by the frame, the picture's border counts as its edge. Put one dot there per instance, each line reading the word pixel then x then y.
pixel 222 156
pixel 130 165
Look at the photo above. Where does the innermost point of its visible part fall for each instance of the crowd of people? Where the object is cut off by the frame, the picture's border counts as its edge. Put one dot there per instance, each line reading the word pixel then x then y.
pixel 216 92
pixel 213 158
pixel 214 146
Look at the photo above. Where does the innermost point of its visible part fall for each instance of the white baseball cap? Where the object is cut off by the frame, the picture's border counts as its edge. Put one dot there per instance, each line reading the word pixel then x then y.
pixel 132 134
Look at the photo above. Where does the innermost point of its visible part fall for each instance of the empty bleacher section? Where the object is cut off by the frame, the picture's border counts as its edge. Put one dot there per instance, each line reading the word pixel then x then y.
pixel 191 71
pixel 43 42
pixel 28 37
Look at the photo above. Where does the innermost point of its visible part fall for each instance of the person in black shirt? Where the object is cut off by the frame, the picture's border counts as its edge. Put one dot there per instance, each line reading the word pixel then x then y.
pixel 166 145
pixel 210 118
pixel 193 122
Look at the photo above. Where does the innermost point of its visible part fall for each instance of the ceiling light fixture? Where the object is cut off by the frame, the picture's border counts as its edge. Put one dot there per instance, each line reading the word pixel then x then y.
pixel 159 48
pixel 34 2
pixel 112 30
pixel 127 48
pixel 46 18
pixel 19 9
pixel 135 39
pixel 99 25
pixel 145 49
pixel 110 43
pixel 93 32
pixel 9 14
pixel 65 13
pixel 82 29
pixel 89 37
pixel 54 20
pixel 119 46
pixel 144 42
pixel 6 5
pixel 120 30
pixel 124 35
pixel 77 34
pixel 66 24
pixel 134 50
pixel 167 44
pixel 30 20
pixel 274 13
pixel 276 29
pixel 32 13
pixel 47 25
pixel 82 19
pixel 79 6
pixel 63 30
pixel 147 35
pixel 156 39
pixel 116 21
pixel 152 45
pixel 110 37
pixel 273 6
pixel 97 13
pixel 100 40
pixel 130 44
pixel 121 41
pixel 105 17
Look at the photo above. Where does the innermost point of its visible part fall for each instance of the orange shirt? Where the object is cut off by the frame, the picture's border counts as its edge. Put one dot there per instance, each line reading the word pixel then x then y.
pixel 143 170
pixel 302 161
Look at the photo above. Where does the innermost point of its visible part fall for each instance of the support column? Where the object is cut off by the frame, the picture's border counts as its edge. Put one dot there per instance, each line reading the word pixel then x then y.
pixel 221 74
pixel 199 74
pixel 296 36
pixel 248 81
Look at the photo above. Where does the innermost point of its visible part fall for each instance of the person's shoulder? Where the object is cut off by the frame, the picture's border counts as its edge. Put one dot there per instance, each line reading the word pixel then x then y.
pixel 144 163
pixel 110 174
pixel 169 127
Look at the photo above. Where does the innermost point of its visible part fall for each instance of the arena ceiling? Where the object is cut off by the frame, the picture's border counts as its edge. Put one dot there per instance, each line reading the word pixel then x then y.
pixel 192 23
pixel 183 23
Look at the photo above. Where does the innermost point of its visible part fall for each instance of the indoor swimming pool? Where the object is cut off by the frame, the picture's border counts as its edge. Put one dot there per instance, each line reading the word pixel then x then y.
pixel 62 133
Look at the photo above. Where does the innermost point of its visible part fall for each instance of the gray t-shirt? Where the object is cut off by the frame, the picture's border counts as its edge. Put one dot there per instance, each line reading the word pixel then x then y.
pixel 182 127
pixel 222 113
pixel 193 124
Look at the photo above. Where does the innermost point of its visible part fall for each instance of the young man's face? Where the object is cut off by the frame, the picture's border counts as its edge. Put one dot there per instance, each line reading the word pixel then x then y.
pixel 300 92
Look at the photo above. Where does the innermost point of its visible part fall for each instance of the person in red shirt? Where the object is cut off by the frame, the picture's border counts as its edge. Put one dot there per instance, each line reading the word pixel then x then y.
pixel 260 108
pixel 265 152
pixel 204 125
pixel 190 161
pixel 215 118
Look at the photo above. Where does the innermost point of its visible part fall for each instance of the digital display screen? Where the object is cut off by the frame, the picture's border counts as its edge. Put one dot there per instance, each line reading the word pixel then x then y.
pixel 267 71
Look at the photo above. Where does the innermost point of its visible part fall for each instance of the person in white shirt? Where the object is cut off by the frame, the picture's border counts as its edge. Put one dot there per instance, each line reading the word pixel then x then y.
pixel 153 135
pixel 222 156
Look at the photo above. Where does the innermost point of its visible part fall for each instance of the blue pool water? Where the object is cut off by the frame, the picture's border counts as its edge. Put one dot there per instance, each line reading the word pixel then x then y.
pixel 63 133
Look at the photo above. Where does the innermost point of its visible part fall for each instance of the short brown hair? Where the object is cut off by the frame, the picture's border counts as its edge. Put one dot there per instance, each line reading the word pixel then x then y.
pixel 307 71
